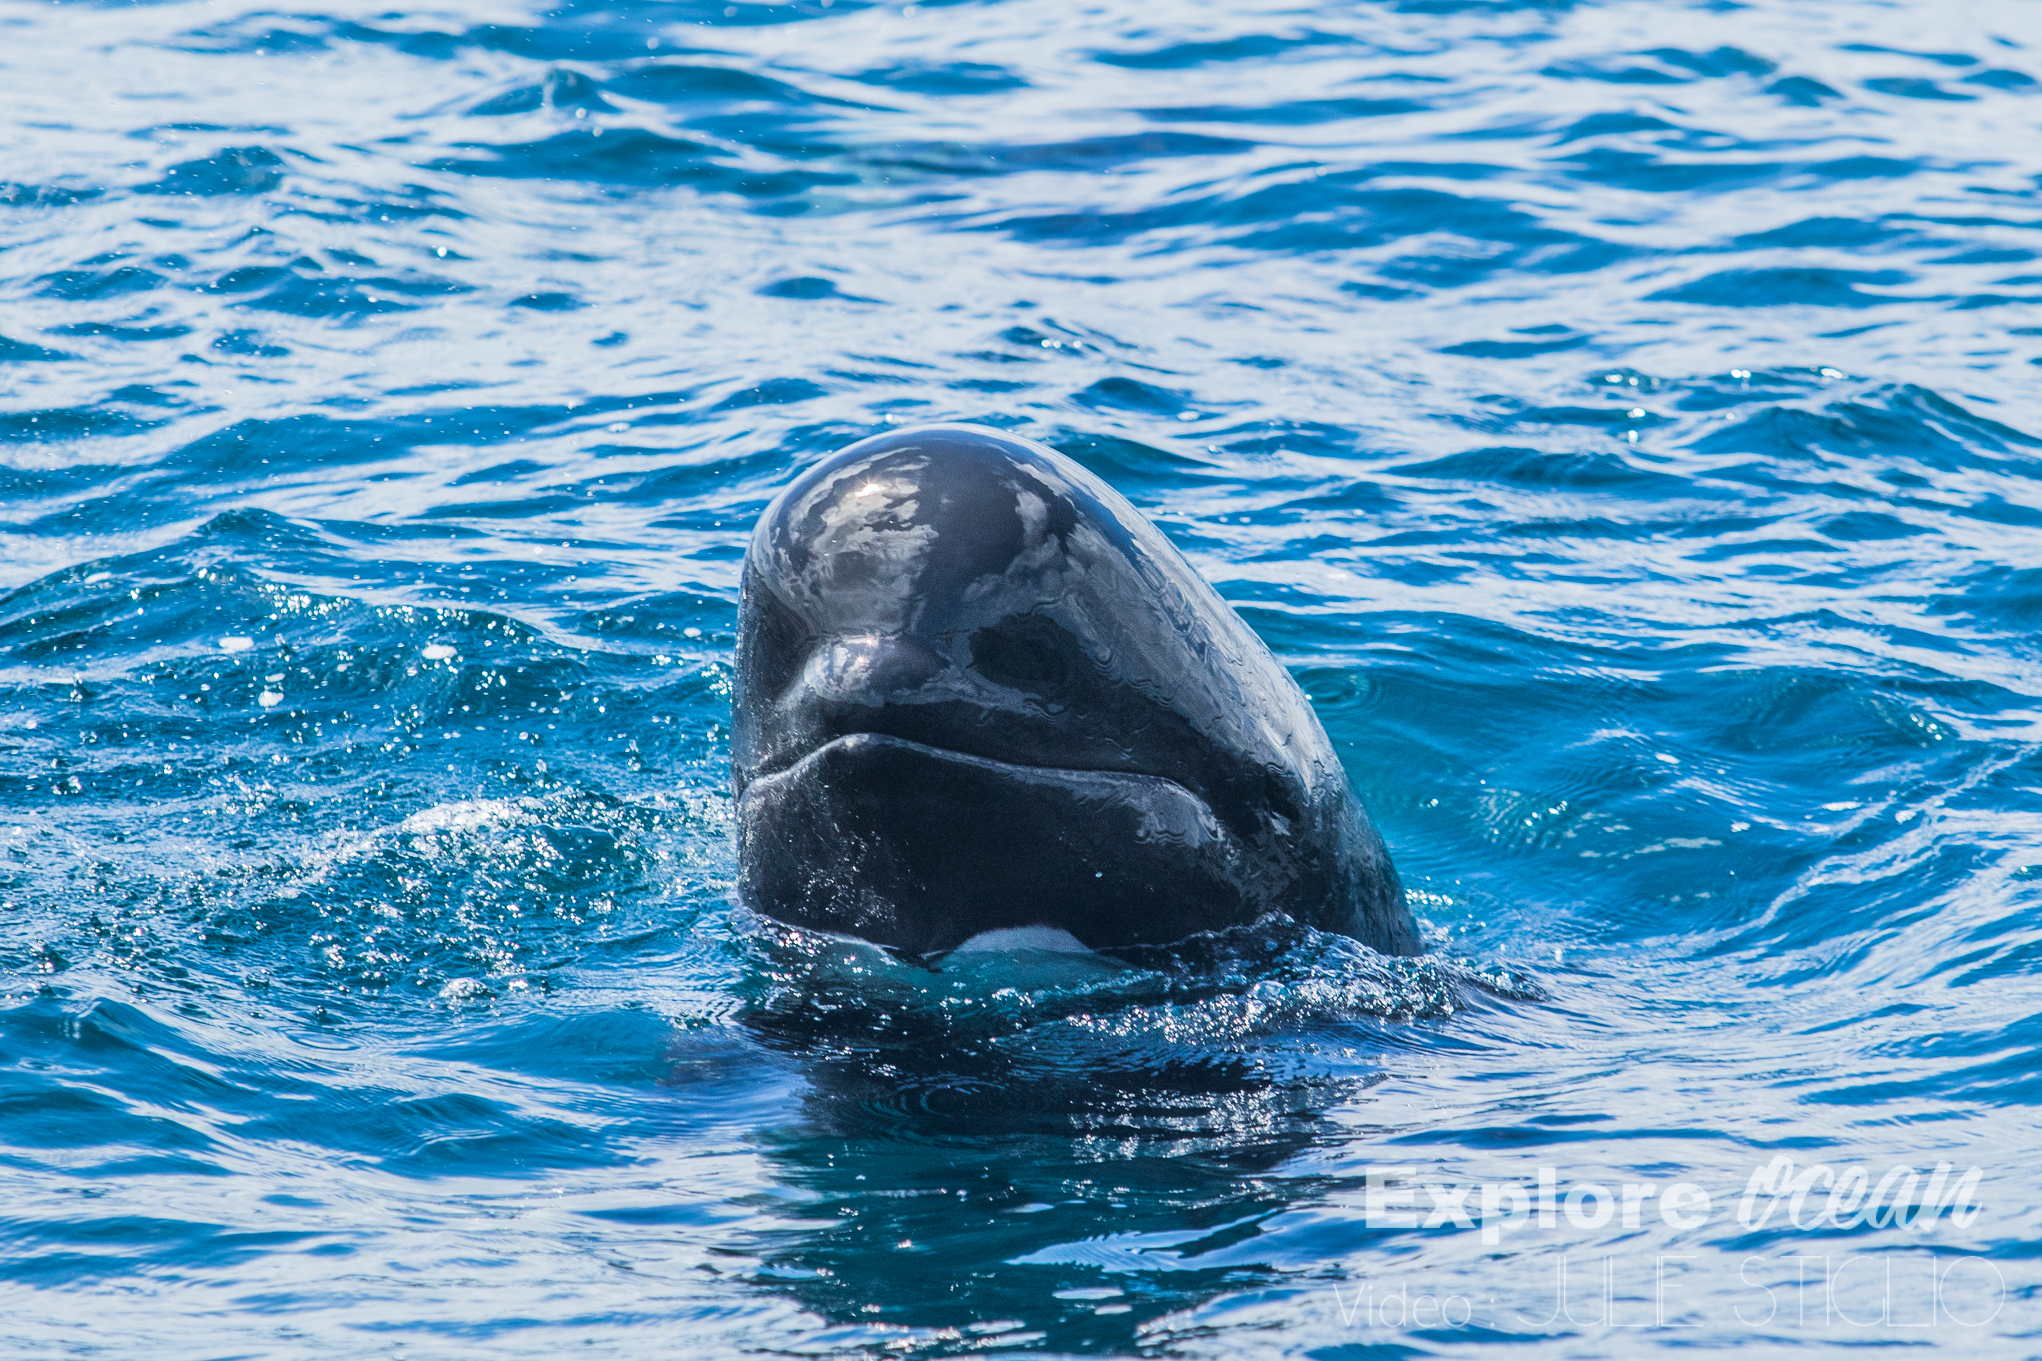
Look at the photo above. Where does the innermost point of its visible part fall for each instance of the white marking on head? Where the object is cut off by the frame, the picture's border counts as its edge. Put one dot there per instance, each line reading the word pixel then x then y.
pixel 1010 940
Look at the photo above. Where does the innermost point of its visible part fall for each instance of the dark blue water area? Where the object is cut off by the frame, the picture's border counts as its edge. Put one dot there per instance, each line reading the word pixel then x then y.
pixel 1621 417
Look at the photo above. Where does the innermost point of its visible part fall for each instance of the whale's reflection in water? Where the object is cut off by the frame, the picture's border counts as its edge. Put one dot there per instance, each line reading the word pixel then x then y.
pixel 965 1129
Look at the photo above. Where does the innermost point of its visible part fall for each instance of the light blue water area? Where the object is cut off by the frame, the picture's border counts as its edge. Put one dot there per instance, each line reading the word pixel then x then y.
pixel 1621 417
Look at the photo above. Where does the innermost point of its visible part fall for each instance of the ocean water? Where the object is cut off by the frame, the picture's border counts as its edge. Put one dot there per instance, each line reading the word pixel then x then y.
pixel 1622 417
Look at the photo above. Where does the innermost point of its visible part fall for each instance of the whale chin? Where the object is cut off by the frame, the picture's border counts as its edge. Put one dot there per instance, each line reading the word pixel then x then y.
pixel 920 849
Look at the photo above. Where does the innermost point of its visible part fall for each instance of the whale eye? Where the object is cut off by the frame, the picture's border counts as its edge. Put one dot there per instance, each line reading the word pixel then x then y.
pixel 1025 652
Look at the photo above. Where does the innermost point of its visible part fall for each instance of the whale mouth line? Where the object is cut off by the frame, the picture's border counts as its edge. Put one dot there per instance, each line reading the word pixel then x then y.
pixel 866 743
pixel 918 848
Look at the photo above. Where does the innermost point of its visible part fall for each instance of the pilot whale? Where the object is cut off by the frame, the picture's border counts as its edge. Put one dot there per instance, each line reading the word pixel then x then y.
pixel 978 691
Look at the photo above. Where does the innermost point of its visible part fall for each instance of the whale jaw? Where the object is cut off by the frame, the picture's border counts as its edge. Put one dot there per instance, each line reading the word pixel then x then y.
pixel 920 849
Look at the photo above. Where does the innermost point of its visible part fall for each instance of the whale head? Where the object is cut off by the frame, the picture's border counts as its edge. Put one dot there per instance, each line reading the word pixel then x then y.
pixel 978 691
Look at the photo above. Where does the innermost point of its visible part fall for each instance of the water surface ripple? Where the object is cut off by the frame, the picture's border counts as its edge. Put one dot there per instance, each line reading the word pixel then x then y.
pixel 1621 417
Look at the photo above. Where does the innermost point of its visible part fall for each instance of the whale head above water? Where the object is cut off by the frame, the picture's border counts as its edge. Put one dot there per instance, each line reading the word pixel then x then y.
pixel 978 691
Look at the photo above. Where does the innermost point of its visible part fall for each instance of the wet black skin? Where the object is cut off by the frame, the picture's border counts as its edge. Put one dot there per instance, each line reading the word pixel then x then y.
pixel 976 689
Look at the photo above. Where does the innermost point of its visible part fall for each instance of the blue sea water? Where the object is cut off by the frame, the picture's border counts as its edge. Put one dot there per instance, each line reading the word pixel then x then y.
pixel 1622 418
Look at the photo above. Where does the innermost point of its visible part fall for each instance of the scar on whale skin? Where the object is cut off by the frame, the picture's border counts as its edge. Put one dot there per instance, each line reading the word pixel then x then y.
pixel 978 691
